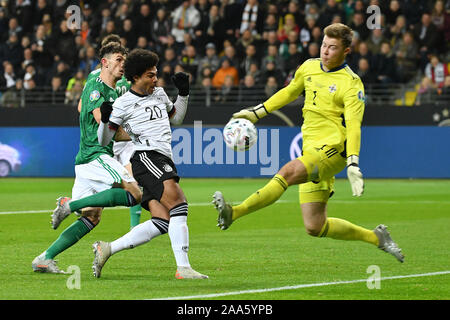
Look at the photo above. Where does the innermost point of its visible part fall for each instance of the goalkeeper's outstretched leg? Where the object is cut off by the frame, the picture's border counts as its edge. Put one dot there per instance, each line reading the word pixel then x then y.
pixel 314 196
pixel 294 172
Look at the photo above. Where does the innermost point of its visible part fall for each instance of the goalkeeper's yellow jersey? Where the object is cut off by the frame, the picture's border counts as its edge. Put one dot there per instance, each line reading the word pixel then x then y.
pixel 328 96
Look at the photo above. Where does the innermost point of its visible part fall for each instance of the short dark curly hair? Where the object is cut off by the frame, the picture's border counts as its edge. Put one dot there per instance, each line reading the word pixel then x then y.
pixel 111 48
pixel 138 61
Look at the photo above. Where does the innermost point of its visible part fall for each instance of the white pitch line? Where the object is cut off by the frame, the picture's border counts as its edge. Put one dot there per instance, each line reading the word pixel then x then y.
pixel 194 204
pixel 300 286
pixel 205 204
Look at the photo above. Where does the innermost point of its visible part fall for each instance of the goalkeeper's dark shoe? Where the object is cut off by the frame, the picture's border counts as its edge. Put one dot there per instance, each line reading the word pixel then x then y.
pixel 102 252
pixel 224 220
pixel 61 211
pixel 387 244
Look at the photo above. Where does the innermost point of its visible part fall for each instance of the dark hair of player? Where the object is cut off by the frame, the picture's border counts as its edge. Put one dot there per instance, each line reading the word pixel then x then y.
pixel 109 39
pixel 340 31
pixel 112 48
pixel 138 61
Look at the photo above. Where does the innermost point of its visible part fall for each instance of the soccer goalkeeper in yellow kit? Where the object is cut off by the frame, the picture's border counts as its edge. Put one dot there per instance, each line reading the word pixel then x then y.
pixel 332 112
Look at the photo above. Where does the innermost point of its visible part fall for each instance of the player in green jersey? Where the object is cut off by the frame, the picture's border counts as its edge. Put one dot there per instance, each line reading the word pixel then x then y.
pixel 100 180
pixel 123 149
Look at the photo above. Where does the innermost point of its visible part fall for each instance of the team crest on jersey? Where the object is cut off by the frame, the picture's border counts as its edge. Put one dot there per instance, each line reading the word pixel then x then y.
pixel 332 88
pixel 167 168
pixel 360 95
pixel 94 96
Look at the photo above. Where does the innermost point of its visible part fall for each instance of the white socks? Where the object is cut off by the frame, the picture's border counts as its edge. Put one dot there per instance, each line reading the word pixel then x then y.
pixel 140 234
pixel 144 232
pixel 179 237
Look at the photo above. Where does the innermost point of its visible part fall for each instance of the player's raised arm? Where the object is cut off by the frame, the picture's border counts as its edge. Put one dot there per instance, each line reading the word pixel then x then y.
pixel 181 81
pixel 275 102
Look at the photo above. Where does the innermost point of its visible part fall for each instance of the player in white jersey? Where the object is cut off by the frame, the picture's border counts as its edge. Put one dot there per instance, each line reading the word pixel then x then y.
pixel 146 113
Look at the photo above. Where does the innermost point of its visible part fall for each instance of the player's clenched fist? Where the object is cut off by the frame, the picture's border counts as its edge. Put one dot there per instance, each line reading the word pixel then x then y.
pixel 181 81
pixel 252 114
pixel 106 109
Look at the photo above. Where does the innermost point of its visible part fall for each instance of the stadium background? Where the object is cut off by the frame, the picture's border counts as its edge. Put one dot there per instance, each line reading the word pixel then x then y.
pixel 44 66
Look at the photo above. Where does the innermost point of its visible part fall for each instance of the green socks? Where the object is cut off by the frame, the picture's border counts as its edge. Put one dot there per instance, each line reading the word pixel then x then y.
pixel 135 215
pixel 108 198
pixel 69 237
pixel 77 230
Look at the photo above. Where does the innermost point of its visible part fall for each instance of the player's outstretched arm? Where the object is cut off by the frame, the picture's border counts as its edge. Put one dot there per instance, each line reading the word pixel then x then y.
pixel 253 114
pixel 281 98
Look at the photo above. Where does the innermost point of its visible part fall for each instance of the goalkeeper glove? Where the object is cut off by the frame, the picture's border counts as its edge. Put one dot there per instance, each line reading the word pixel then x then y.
pixel 355 176
pixel 181 81
pixel 252 114
pixel 106 109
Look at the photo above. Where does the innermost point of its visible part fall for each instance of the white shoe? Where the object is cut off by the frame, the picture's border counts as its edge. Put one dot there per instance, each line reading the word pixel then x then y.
pixel 102 252
pixel 224 220
pixel 189 273
pixel 61 212
pixel 40 264
pixel 387 244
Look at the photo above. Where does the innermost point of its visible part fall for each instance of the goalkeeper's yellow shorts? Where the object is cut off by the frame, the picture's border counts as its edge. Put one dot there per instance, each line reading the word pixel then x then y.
pixel 322 164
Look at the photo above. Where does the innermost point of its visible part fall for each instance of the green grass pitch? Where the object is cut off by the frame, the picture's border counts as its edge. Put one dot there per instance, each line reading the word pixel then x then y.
pixel 268 249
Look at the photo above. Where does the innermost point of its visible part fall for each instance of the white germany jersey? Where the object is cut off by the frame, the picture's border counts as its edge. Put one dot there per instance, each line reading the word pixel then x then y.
pixel 146 119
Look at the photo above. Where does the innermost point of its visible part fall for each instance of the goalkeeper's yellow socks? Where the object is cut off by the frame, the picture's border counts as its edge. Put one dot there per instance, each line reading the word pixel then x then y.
pixel 264 197
pixel 343 230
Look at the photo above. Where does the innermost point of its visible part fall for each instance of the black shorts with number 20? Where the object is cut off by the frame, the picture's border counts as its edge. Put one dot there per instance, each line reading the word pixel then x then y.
pixel 151 169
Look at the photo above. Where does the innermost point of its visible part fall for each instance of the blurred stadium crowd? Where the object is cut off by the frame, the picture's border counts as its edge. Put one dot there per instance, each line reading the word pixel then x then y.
pixel 228 47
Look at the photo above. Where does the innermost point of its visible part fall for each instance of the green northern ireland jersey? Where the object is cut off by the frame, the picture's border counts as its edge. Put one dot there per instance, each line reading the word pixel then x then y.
pixel 93 74
pixel 94 94
pixel 122 85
